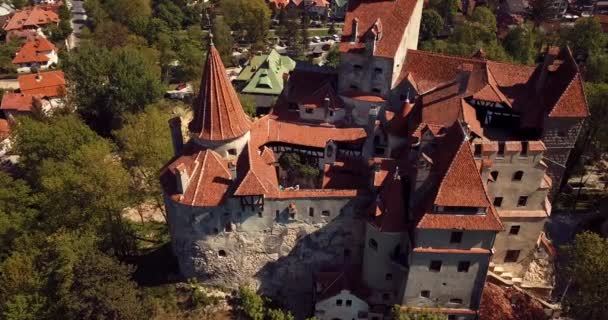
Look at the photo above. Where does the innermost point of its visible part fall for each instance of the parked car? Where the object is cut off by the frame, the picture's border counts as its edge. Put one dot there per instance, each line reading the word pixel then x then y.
pixel 316 24
pixel 336 37
pixel 316 39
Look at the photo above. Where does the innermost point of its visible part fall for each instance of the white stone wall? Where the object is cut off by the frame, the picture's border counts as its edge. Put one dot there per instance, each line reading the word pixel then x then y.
pixel 329 309
pixel 223 147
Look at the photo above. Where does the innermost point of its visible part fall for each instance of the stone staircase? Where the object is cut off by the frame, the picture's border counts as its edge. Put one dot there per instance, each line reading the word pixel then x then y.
pixel 503 275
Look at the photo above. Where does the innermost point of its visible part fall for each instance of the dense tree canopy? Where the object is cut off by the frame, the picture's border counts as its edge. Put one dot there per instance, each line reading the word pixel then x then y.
pixel 249 18
pixel 519 44
pixel 586 37
pixel 431 24
pixel 588 269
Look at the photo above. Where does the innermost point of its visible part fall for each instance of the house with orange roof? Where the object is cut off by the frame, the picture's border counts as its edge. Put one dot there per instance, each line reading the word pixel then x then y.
pixel 424 172
pixel 31 18
pixel 36 54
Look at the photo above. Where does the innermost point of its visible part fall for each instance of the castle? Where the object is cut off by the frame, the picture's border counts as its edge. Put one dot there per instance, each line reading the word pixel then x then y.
pixel 432 169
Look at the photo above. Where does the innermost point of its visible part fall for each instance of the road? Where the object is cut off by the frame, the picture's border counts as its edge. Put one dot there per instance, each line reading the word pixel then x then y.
pixel 79 19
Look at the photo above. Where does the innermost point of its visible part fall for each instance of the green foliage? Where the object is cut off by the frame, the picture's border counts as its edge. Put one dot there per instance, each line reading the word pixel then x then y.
pixel 519 43
pixel 127 11
pixel 597 100
pixel 108 84
pixel 17 211
pixel 540 10
pixel 588 269
pixel 333 57
pixel 485 17
pixel 446 8
pixel 398 313
pixel 597 68
pixel 586 37
pixel 251 304
pixel 431 24
pixel 171 14
pixel 278 314
pixel 248 18
pixel 7 52
pixel 249 104
pixel 222 39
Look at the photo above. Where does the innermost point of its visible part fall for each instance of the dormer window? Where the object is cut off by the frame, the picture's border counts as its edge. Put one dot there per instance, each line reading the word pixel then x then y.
pixel 357 68
pixel 378 70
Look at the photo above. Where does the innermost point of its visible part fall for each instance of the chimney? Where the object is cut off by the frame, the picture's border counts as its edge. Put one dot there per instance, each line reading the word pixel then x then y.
pixel 181 175
pixel 355 30
pixel 175 125
pixel 550 56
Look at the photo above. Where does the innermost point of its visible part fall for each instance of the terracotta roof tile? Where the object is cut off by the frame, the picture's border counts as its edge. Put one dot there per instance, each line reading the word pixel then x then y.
pixel 218 114
pixel 364 96
pixel 31 51
pixel 31 17
pixel 461 185
pixel 572 103
pixel 209 177
pixel 331 283
pixel 389 210
pixel 393 15
pixel 47 84
pixel 488 221
pixel 18 102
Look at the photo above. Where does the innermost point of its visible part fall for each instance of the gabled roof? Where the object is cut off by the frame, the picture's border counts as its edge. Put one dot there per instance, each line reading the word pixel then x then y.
pixel 209 177
pixel 389 211
pixel 46 84
pixel 18 102
pixel 264 73
pixel 218 114
pixel 31 51
pixel 31 17
pixel 393 14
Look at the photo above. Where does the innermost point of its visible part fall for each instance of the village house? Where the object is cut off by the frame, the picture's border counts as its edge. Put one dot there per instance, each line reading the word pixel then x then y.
pixel 31 19
pixel 424 172
pixel 41 92
pixel 36 54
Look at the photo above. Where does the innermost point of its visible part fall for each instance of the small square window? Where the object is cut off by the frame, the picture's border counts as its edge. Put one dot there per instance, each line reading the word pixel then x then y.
pixel 456 237
pixel 309 110
pixel 435 266
pixel 514 230
pixel 452 317
pixel 325 213
pixel 522 201
pixel 357 67
pixel 277 214
pixel 494 175
pixel 517 176
pixel 311 212
pixel 376 90
pixel 349 303
pixel 463 266
pixel 232 152
pixel 378 70
pixel 388 276
pixel 512 255
pixel 339 302
pixel 373 244
pixel 456 301
pixel 354 87
pixel 501 149
pixel 498 202
pixel 386 296
pixel 228 227
pixel 524 149
pixel 425 293
pixel 260 214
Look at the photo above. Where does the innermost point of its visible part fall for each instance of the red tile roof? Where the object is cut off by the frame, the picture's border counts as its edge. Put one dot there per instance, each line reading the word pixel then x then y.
pixel 331 283
pixel 31 51
pixel 364 96
pixel 389 18
pixel 389 211
pixel 18 102
pixel 209 177
pixel 31 17
pixel 218 114
pixel 461 185
pixel 47 84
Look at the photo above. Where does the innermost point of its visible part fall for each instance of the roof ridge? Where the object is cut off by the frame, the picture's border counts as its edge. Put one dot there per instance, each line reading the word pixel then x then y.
pixel 437 54
pixel 576 76
pixel 200 176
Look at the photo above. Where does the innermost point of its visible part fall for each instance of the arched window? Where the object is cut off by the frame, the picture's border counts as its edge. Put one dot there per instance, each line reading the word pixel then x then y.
pixel 221 253
pixel 373 244
pixel 494 175
pixel 518 176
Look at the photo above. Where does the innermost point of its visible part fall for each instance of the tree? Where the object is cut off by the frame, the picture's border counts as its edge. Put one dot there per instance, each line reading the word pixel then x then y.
pixel 432 24
pixel 145 146
pixel 127 11
pixel 446 8
pixel 171 14
pixel 37 142
pixel 251 304
pixel 17 211
pixel 485 17
pixel 588 270
pixel 110 34
pixel 586 37
pixel 304 25
pixel 249 105
pixel 596 127
pixel 332 27
pixel 222 39
pixel 278 314
pixel 597 68
pixel 333 57
pixel 519 43
pixel 249 18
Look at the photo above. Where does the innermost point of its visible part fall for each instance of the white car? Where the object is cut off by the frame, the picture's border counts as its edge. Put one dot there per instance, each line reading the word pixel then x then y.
pixel 316 39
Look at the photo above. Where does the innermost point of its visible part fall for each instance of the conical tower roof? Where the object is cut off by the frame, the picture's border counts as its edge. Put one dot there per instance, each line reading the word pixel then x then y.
pixel 218 114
